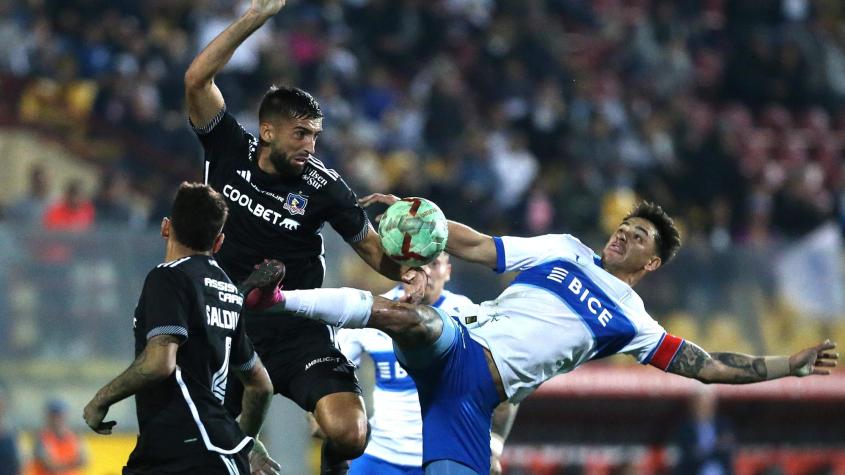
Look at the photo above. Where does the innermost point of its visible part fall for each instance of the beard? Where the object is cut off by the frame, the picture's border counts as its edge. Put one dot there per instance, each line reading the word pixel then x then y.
pixel 284 166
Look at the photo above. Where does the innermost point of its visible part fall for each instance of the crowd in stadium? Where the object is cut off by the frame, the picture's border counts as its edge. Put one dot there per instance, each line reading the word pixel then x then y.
pixel 540 114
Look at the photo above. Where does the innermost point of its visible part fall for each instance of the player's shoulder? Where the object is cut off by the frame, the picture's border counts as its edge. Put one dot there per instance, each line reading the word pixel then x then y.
pixel 168 274
pixel 325 180
pixel 317 169
pixel 574 242
pixel 564 244
pixel 189 268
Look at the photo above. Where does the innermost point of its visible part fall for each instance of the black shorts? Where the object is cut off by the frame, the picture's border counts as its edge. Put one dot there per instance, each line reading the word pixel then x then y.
pixel 304 365
pixel 208 463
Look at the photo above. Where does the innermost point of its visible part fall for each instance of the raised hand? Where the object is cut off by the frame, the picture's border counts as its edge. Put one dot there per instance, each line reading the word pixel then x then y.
pixel 378 198
pixel 267 8
pixel 814 360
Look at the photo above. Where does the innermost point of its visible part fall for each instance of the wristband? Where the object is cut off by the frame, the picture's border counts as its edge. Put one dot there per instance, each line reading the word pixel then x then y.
pixel 497 445
pixel 777 366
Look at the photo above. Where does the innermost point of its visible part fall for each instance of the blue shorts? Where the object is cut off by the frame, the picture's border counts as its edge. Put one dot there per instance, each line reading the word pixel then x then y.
pixel 457 397
pixel 369 465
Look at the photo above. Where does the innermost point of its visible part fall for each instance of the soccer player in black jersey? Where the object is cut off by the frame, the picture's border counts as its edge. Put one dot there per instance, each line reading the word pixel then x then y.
pixel 188 335
pixel 280 196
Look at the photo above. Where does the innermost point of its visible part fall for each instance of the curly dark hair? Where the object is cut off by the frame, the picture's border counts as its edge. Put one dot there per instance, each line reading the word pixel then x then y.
pixel 668 239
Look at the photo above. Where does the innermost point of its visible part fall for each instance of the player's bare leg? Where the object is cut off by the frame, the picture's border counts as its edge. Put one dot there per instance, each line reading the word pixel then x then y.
pixel 343 421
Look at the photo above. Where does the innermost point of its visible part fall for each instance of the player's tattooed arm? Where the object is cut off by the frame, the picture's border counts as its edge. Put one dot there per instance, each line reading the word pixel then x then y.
pixel 154 364
pixel 736 368
pixel 731 368
pixel 258 391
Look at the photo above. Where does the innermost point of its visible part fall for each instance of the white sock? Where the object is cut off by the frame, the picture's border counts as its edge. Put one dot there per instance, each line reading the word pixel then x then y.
pixel 344 307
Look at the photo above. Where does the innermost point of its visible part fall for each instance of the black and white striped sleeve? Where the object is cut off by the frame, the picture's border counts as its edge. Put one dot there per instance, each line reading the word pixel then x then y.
pixel 223 138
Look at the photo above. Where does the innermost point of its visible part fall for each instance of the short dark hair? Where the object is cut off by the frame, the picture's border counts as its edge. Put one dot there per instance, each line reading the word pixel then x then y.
pixel 197 216
pixel 288 103
pixel 668 239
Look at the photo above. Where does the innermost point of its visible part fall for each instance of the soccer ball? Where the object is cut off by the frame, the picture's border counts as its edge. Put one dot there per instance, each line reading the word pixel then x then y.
pixel 413 231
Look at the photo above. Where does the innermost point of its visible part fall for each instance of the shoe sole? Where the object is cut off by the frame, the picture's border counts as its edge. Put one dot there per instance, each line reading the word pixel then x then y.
pixel 268 275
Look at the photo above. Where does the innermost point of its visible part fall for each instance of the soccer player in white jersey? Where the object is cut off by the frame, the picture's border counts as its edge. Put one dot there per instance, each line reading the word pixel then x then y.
pixel 395 447
pixel 567 306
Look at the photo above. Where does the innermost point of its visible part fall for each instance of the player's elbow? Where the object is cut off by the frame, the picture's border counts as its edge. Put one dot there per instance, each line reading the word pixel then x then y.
pixel 195 81
pixel 161 370
pixel 258 381
pixel 261 387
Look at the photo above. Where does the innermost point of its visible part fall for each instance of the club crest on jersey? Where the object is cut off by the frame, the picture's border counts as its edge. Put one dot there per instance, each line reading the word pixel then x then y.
pixel 295 204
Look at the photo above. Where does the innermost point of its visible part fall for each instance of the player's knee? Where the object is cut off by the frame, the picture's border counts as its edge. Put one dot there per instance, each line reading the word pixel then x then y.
pixel 349 439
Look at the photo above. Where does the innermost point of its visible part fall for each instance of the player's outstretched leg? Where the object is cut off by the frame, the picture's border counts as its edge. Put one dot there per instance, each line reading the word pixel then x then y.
pixel 409 325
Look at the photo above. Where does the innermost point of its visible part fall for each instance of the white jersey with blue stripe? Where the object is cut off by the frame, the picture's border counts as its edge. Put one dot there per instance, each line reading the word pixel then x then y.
pixel 561 310
pixel 396 422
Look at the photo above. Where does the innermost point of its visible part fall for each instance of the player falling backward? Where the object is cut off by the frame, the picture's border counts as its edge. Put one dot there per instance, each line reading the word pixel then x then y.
pixel 566 306
pixel 395 447
pixel 281 196
pixel 188 335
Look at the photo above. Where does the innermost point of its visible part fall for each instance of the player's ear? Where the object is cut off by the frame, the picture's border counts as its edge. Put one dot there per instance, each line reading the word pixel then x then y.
pixel 218 243
pixel 266 131
pixel 653 263
pixel 165 227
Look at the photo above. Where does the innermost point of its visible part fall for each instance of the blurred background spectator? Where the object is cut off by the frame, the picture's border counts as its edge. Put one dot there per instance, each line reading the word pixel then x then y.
pixel 58 449
pixel 730 113
pixel 28 209
pixel 10 460
pixel 706 441
pixel 72 212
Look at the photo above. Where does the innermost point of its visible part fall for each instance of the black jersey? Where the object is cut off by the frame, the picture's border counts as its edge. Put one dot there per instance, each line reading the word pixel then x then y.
pixel 274 218
pixel 192 299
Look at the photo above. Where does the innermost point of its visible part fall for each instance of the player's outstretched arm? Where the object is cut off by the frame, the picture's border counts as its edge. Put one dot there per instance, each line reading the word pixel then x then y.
pixel 470 245
pixel 464 242
pixel 203 97
pixel 258 392
pixel 735 368
pixel 154 364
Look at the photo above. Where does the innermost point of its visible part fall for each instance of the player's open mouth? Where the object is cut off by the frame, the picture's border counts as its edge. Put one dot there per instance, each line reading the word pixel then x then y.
pixel 616 248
